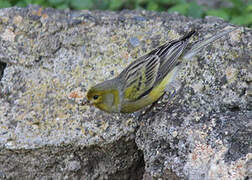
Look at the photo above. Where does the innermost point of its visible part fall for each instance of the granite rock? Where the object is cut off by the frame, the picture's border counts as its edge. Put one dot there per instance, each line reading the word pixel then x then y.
pixel 48 60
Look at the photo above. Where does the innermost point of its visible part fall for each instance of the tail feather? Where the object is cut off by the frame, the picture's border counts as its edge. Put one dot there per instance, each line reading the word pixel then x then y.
pixel 200 45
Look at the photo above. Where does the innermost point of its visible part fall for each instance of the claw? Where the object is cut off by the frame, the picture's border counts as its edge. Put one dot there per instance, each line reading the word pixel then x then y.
pixel 173 87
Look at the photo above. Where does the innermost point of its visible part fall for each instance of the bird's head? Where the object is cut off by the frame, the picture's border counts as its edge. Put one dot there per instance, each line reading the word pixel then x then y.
pixel 104 97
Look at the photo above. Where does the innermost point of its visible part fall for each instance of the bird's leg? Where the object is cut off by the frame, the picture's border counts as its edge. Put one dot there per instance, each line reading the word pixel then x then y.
pixel 175 85
pixel 171 90
pixel 152 105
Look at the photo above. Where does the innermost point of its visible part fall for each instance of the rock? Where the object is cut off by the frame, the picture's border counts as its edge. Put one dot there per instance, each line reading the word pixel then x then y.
pixel 48 60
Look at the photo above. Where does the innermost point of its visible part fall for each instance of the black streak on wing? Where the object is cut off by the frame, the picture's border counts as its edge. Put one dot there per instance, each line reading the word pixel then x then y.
pixel 169 61
pixel 165 56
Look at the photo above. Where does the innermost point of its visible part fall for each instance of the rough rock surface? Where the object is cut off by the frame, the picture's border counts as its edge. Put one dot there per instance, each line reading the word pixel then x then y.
pixel 49 58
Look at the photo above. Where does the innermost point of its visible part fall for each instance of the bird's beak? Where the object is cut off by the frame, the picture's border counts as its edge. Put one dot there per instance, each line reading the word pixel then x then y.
pixel 85 101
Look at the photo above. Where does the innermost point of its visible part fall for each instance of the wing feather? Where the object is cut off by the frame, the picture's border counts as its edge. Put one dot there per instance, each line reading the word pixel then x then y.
pixel 149 70
pixel 143 78
pixel 172 60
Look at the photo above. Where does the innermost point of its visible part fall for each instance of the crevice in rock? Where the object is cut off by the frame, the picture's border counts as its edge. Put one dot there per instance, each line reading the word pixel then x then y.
pixel 2 67
pixel 234 108
pixel 135 172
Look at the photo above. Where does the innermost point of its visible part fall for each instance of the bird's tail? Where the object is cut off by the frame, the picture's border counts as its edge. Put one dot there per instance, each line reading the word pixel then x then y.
pixel 198 46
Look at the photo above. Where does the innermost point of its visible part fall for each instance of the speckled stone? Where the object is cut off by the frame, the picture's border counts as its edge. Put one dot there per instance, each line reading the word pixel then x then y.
pixel 50 58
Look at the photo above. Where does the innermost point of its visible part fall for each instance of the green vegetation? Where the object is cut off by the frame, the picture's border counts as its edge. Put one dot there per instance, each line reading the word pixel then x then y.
pixel 239 13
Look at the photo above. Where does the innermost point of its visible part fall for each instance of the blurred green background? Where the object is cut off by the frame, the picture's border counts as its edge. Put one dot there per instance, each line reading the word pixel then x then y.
pixel 236 11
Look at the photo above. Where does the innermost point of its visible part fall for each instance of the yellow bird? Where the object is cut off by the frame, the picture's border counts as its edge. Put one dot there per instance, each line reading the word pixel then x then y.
pixel 144 81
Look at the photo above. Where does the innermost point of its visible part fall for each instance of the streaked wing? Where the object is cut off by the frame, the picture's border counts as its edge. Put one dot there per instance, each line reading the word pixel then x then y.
pixel 147 71
pixel 170 54
pixel 170 60
pixel 141 77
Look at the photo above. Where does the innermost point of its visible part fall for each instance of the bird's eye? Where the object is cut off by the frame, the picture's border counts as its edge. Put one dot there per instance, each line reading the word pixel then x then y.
pixel 95 97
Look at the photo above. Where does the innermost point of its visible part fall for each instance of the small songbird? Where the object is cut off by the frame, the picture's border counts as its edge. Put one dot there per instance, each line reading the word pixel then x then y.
pixel 144 81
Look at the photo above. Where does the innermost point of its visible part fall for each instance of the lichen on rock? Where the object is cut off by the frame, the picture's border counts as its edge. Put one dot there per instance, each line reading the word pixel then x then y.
pixel 50 58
